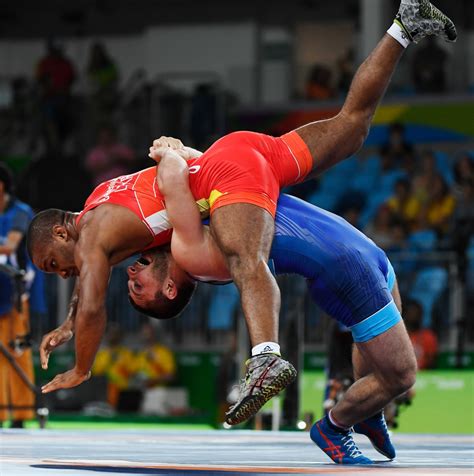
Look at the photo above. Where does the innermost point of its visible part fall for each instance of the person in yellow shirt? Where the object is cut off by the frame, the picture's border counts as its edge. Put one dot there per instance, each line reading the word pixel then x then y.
pixel 437 212
pixel 117 363
pixel 155 363
pixel 404 205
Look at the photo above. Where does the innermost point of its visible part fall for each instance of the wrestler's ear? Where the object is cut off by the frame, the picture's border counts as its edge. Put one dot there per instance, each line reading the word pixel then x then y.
pixel 170 289
pixel 60 232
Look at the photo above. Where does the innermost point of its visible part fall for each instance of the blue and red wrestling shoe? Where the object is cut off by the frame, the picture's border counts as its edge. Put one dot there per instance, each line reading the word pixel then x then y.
pixel 375 428
pixel 337 443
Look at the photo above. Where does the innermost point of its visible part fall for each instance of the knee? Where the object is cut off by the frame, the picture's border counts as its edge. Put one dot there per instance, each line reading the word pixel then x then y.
pixel 246 267
pixel 402 380
pixel 357 128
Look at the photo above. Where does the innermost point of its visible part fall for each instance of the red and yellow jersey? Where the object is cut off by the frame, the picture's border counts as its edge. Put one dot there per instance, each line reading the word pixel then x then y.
pixel 242 167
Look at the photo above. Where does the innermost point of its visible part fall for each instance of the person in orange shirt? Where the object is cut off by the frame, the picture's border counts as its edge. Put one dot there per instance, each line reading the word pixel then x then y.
pixel 424 341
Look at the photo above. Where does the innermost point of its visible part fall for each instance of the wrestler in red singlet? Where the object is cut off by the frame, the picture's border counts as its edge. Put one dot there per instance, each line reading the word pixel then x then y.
pixel 242 167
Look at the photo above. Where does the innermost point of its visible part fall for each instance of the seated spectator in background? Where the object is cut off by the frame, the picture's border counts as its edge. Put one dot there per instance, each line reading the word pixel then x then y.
pixel 463 171
pixel 318 86
pixel 403 205
pixel 203 121
pixel 116 362
pixel 424 341
pixel 103 77
pixel 425 176
pixel 55 75
pixel 380 230
pixel 155 364
pixel 429 68
pixel 396 147
pixel 462 227
pixel 345 67
pixel 439 208
pixel 109 158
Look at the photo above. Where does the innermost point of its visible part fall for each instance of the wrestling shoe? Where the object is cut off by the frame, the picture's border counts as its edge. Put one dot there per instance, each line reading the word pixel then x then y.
pixel 420 18
pixel 337 443
pixel 375 428
pixel 267 375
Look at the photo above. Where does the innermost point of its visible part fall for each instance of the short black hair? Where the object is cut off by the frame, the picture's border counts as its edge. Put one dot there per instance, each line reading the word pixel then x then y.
pixel 40 227
pixel 6 177
pixel 164 308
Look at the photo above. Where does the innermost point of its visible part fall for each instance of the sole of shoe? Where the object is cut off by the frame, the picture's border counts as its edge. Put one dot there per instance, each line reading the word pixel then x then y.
pixel 252 404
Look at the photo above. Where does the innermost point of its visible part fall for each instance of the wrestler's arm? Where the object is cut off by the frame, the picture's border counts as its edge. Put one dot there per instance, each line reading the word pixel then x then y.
pixel 90 317
pixel 173 182
pixel 192 245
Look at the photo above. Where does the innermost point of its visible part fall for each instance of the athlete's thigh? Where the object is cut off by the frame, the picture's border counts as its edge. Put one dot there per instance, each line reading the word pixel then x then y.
pixel 329 141
pixel 389 354
pixel 244 230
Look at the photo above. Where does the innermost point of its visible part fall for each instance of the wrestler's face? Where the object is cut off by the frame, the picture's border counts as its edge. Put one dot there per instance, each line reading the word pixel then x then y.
pixel 57 257
pixel 145 277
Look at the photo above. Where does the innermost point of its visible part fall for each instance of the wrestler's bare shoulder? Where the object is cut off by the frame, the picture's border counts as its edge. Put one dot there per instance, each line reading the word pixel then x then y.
pixel 115 229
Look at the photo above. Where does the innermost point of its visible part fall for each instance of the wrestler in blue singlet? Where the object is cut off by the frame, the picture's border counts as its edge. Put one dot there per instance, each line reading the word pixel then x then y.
pixel 349 277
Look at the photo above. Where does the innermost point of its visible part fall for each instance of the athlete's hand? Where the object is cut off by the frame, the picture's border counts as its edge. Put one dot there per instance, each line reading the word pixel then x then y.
pixel 165 144
pixel 170 142
pixel 158 154
pixel 52 340
pixel 69 379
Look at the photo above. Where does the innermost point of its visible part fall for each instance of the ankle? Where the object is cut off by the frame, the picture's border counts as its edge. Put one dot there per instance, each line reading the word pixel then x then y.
pixel 336 424
pixel 266 348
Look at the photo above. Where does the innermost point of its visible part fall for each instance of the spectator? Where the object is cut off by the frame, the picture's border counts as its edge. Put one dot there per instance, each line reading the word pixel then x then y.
pixel 439 207
pixel 116 362
pixel 103 79
pixel 14 316
pixel 463 171
pixel 403 205
pixel 424 341
pixel 109 158
pixel 380 230
pixel 345 66
pixel 319 86
pixel 155 364
pixel 429 68
pixel 462 228
pixel 203 120
pixel 425 177
pixel 55 75
pixel 397 147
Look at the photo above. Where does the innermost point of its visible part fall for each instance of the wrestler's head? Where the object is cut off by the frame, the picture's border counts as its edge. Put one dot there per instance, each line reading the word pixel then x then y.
pixel 157 286
pixel 50 243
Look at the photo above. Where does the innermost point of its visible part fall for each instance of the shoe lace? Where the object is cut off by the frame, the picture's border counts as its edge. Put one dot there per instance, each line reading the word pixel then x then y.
pixel 350 446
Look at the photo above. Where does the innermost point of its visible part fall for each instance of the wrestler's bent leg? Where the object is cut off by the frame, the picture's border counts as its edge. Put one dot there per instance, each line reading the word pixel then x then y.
pixel 375 426
pixel 392 372
pixel 244 233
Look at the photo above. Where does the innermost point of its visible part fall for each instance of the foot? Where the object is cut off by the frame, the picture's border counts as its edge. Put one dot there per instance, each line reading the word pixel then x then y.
pixel 375 428
pixel 267 375
pixel 420 18
pixel 337 443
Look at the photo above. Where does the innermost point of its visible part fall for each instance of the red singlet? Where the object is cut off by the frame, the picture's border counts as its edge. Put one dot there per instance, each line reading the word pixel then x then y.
pixel 242 167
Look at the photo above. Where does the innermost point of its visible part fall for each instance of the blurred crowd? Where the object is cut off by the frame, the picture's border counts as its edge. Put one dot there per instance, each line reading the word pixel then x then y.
pixel 418 205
